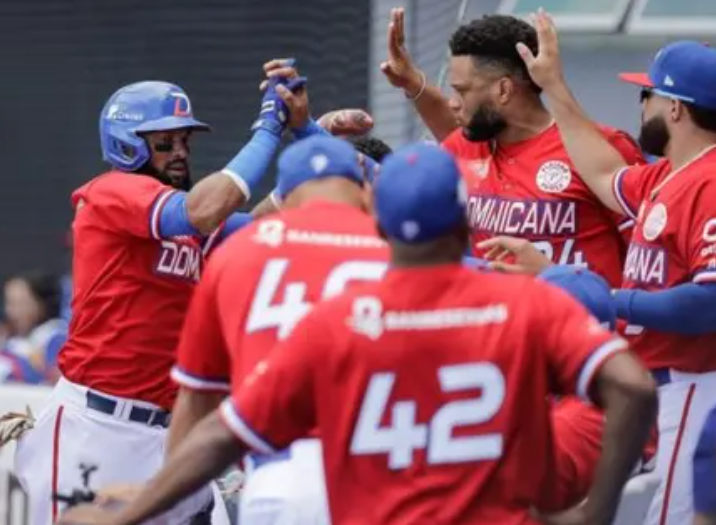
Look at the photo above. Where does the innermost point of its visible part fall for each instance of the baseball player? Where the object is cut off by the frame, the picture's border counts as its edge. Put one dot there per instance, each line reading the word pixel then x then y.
pixel 321 242
pixel 140 233
pixel 419 424
pixel 668 291
pixel 520 179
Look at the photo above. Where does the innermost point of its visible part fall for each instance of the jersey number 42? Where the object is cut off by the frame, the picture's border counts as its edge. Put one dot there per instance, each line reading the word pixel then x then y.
pixel 404 435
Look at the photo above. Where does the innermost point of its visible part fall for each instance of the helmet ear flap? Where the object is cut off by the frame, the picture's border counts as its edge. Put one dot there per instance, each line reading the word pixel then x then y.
pixel 128 151
pixel 123 150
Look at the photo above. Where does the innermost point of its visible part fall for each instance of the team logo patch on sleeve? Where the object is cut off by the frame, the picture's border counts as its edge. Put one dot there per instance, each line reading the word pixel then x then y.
pixel 554 176
pixel 655 222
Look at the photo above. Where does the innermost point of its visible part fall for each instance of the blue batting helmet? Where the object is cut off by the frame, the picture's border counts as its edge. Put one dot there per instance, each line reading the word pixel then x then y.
pixel 141 108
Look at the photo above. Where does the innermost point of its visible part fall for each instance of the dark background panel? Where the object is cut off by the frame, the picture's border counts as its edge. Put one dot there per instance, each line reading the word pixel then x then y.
pixel 61 59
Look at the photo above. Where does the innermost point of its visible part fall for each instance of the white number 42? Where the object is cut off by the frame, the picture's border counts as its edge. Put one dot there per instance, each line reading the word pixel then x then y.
pixel 404 435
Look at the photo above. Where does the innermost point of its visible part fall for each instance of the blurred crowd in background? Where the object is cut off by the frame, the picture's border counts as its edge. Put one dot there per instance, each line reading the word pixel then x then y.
pixel 33 326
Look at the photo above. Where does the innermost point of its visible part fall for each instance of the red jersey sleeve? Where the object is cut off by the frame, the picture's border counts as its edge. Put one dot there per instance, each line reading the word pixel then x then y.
pixel 126 202
pixel 276 404
pixel 701 228
pixel 632 184
pixel 576 346
pixel 203 359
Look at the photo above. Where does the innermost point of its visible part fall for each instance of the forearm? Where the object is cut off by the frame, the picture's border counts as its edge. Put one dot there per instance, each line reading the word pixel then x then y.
pixel 435 112
pixel 628 419
pixel 205 453
pixel 594 158
pixel 190 408
pixel 214 198
pixel 685 309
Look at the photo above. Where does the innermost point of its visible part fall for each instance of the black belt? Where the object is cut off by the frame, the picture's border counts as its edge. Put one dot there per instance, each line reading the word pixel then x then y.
pixel 147 416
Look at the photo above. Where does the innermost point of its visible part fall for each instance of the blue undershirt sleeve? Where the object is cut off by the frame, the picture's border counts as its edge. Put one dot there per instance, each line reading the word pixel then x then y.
pixel 688 309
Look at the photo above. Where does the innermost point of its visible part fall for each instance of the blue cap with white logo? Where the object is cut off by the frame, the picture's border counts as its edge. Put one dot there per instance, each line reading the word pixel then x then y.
pixel 419 195
pixel 591 290
pixel 314 158
pixel 684 70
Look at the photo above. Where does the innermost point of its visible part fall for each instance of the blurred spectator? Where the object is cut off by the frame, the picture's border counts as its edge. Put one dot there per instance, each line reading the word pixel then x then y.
pixel 35 330
pixel 66 281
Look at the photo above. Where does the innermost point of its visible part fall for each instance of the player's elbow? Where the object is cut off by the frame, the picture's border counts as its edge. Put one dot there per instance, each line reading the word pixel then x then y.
pixel 204 214
pixel 211 201
pixel 624 379
pixel 642 391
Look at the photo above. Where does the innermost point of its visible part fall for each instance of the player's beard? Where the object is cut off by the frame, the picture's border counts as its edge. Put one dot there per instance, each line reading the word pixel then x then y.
pixel 486 123
pixel 182 182
pixel 654 136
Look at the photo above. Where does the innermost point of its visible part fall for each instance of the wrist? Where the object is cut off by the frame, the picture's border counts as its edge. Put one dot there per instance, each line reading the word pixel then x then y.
pixel 414 87
pixel 557 90
pixel 268 124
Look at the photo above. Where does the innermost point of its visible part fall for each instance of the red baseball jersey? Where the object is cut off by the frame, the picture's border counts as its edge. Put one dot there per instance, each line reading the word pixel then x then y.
pixel 531 190
pixel 429 391
pixel 131 289
pixel 578 430
pixel 674 242
pixel 264 279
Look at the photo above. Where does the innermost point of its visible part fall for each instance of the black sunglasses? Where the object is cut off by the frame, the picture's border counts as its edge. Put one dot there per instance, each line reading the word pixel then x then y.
pixel 645 94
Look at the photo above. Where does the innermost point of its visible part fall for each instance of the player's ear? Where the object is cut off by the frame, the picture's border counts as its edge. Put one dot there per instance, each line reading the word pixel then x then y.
pixel 505 90
pixel 677 110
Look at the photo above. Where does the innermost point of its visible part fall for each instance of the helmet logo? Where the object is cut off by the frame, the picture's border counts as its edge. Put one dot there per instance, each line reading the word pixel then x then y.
pixel 182 105
pixel 116 112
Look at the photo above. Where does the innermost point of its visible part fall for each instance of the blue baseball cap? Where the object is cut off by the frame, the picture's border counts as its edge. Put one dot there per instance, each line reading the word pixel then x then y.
pixel 591 290
pixel 316 157
pixel 684 70
pixel 419 194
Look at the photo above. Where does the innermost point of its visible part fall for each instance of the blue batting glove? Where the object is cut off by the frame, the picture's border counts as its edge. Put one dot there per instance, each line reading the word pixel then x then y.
pixel 274 113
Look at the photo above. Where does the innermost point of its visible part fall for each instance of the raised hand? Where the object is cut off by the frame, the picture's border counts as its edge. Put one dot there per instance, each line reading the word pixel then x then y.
pixel 291 88
pixel 546 67
pixel 399 68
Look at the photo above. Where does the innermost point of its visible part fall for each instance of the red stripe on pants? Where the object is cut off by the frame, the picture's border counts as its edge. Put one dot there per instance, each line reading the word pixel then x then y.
pixel 675 454
pixel 56 459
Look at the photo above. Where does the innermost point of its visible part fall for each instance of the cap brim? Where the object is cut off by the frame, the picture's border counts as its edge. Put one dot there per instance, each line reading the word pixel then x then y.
pixel 640 79
pixel 170 123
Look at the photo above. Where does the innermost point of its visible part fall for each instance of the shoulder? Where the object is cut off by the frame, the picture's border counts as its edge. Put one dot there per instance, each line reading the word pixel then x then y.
pixel 119 184
pixel 702 185
pixel 356 311
pixel 648 173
